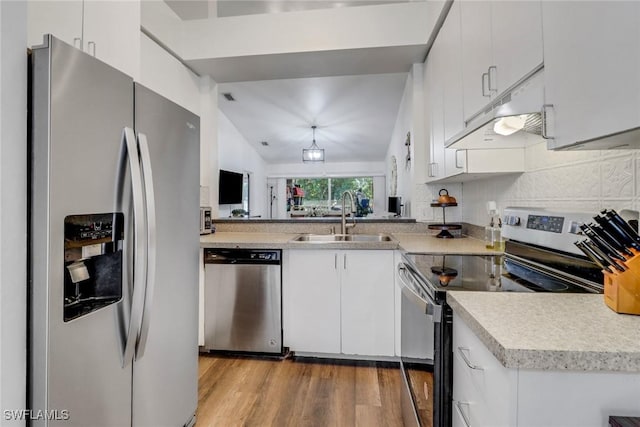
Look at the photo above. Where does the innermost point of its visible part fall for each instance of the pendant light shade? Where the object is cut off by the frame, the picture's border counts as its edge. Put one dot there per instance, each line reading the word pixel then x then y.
pixel 313 153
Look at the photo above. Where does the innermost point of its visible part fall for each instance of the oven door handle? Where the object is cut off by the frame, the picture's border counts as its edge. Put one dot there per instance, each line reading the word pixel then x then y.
pixel 408 283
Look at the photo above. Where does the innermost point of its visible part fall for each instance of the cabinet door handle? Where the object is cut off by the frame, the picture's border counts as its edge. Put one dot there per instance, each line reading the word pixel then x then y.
pixel 335 261
pixel 433 170
pixel 77 43
pixel 345 262
pixel 485 78
pixel 461 352
pixel 495 70
pixel 91 47
pixel 545 128
pixel 458 165
pixel 464 417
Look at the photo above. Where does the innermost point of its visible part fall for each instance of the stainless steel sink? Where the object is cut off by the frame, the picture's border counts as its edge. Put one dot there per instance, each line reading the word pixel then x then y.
pixel 332 238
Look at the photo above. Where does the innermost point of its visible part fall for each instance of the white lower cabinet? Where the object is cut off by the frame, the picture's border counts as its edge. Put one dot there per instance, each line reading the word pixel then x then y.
pixel 339 301
pixel 485 393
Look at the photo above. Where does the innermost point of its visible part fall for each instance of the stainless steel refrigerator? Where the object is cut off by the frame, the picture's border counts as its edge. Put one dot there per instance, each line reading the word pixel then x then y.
pixel 114 235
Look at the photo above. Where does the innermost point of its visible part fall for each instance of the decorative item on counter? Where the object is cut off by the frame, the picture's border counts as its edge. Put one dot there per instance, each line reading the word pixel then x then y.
pixel 614 246
pixel 493 235
pixel 444 201
pixel 362 204
pixel 238 213
pixel 493 232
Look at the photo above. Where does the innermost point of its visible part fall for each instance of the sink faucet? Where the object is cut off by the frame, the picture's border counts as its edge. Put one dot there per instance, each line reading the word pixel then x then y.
pixel 345 226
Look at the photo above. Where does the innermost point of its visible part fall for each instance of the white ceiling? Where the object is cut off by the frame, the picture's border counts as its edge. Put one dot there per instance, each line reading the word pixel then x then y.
pixel 355 115
pixel 346 62
pixel 352 95
pixel 202 9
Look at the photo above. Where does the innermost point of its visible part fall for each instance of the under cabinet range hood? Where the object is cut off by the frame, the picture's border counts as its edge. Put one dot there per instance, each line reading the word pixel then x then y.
pixel 513 120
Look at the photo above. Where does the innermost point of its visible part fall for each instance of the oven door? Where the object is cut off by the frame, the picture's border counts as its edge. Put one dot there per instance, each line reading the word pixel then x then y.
pixel 420 315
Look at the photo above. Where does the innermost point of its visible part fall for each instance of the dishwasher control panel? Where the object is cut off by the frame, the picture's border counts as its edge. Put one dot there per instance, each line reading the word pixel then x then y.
pixel 242 256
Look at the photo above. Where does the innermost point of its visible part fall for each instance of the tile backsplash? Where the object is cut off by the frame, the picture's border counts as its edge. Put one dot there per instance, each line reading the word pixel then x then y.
pixel 567 180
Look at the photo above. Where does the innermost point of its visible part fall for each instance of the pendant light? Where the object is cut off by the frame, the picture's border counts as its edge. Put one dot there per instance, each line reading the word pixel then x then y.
pixel 313 153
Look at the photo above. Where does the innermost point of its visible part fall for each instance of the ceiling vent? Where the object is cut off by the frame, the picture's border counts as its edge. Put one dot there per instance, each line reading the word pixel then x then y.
pixel 228 96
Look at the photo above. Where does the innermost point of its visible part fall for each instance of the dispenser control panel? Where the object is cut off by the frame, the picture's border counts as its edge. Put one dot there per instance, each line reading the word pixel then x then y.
pixel 83 229
pixel 93 261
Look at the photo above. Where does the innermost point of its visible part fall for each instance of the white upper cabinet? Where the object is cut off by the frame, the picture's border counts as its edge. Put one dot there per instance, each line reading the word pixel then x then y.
pixel 464 165
pixel 476 55
pixel 445 67
pixel 450 41
pixel 434 101
pixel 501 44
pixel 108 30
pixel 592 69
pixel 516 34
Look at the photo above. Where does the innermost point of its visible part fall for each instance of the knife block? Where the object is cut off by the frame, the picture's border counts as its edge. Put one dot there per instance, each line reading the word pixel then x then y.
pixel 622 289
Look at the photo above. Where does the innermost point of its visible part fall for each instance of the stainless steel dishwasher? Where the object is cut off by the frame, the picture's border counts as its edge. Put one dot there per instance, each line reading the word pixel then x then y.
pixel 243 300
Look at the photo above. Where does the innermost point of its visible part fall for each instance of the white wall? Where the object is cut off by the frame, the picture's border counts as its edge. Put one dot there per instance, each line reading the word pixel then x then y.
pixel 163 73
pixel 567 180
pixel 209 141
pixel 197 94
pixel 332 169
pixel 399 24
pixel 397 148
pixel 13 206
pixel 160 20
pixel 237 155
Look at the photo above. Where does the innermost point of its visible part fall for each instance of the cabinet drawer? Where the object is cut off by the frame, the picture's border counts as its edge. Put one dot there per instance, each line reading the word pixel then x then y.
pixel 481 381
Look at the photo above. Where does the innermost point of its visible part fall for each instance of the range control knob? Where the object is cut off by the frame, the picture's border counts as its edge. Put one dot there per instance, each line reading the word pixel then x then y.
pixel 512 220
pixel 574 227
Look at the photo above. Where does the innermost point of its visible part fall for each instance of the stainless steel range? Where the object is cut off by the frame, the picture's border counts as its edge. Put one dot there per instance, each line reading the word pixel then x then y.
pixel 540 256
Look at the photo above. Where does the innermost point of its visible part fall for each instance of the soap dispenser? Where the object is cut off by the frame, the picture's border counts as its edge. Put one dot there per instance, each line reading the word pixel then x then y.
pixel 493 232
pixel 489 232
pixel 493 235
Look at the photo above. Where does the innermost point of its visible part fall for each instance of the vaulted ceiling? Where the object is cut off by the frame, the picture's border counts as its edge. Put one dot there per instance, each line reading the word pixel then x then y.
pixel 351 95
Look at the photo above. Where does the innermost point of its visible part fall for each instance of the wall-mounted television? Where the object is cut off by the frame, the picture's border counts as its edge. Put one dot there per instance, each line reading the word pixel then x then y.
pixel 230 188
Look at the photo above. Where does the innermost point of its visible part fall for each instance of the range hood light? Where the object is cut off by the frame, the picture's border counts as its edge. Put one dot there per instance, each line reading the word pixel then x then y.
pixel 509 125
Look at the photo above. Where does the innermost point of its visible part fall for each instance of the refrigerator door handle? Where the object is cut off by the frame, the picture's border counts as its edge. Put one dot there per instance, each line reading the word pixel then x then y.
pixel 143 145
pixel 130 149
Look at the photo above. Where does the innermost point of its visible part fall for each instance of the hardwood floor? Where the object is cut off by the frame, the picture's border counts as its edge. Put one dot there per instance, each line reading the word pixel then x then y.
pixel 422 384
pixel 258 392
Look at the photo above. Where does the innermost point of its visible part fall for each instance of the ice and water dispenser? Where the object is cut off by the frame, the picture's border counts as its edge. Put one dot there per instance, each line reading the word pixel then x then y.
pixel 93 262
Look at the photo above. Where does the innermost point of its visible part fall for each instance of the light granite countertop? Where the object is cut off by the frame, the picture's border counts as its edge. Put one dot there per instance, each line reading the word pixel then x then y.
pixel 551 331
pixel 428 244
pixel 409 242
pixel 241 240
